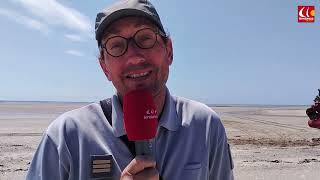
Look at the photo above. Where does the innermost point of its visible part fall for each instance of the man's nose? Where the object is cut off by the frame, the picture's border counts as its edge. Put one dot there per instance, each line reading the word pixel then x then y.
pixel 134 54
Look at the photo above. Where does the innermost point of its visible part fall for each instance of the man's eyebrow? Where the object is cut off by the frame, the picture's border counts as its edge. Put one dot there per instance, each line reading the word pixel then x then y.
pixel 112 31
pixel 140 23
pixel 143 22
pixel 109 32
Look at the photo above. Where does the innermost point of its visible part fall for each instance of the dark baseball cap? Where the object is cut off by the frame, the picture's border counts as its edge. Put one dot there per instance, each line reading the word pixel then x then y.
pixel 124 8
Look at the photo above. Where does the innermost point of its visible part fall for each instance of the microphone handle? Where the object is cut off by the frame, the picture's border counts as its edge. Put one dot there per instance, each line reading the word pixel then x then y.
pixel 143 147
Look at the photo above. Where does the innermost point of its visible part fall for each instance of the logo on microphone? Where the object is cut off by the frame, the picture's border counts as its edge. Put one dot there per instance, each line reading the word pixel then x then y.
pixel 151 114
pixel 306 14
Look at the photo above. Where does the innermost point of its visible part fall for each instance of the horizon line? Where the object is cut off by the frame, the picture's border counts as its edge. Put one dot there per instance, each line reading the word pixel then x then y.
pixel 208 104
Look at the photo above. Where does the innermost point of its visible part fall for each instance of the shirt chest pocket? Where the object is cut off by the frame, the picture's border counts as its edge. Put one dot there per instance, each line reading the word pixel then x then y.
pixel 191 171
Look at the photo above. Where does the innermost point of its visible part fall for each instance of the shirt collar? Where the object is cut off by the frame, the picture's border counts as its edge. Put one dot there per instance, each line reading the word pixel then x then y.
pixel 169 117
pixel 117 117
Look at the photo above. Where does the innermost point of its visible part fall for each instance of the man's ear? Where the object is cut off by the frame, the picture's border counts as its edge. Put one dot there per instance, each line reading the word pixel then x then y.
pixel 169 50
pixel 104 66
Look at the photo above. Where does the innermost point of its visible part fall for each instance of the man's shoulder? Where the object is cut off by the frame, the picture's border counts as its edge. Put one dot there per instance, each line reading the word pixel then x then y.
pixel 82 112
pixel 191 109
pixel 75 119
pixel 193 106
pixel 199 116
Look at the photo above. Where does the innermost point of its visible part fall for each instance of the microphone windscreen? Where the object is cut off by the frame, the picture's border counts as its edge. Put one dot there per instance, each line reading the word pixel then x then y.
pixel 140 115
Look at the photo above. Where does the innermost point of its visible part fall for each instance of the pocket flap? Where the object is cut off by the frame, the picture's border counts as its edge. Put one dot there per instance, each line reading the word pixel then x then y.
pixel 190 166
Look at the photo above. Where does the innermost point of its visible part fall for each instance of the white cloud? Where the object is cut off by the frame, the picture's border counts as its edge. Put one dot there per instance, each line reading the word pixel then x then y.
pixel 74 53
pixel 25 20
pixel 55 13
pixel 74 37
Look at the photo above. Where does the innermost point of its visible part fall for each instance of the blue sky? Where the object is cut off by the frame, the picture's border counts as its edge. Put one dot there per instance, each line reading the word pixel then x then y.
pixel 225 52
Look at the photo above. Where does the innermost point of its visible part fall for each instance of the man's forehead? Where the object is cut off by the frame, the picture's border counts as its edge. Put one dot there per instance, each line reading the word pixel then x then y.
pixel 132 21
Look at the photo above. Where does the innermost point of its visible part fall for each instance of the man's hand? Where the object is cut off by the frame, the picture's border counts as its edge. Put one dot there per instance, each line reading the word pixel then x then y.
pixel 140 168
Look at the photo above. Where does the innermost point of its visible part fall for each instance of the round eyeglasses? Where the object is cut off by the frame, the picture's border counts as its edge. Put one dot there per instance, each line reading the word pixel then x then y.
pixel 145 38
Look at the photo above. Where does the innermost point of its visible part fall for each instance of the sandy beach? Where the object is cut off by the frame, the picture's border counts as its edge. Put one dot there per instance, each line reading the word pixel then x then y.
pixel 271 143
pixel 268 142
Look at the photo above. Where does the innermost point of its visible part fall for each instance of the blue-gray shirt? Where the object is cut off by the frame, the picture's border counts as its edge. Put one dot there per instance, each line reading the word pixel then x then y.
pixel 191 143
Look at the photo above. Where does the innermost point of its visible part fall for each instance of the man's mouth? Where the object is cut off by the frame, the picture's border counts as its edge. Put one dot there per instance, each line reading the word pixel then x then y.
pixel 138 75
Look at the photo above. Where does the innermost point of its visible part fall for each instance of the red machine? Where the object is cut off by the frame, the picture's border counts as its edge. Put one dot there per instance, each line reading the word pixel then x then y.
pixel 314 113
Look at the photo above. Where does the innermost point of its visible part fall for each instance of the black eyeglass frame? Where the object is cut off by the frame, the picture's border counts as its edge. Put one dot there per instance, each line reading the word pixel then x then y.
pixel 132 38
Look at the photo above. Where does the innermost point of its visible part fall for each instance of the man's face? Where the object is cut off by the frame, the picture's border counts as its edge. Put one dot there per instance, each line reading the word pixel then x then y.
pixel 137 68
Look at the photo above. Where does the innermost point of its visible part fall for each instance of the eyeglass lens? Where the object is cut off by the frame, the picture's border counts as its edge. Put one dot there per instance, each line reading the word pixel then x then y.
pixel 144 39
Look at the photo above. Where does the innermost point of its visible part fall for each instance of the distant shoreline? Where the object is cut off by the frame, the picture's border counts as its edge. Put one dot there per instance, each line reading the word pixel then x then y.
pixel 46 102
pixel 210 105
pixel 255 105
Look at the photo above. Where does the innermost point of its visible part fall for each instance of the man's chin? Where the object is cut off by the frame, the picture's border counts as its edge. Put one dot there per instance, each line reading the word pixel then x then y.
pixel 152 89
pixel 141 86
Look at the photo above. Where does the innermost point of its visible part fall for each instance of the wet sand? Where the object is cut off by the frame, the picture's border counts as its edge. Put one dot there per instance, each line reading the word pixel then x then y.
pixel 21 128
pixel 270 143
pixel 267 142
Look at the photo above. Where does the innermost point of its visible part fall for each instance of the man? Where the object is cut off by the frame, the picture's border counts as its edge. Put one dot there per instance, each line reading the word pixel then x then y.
pixel 135 53
pixel 314 113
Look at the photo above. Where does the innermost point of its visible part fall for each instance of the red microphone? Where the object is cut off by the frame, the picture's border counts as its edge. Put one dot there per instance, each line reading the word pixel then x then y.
pixel 140 120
